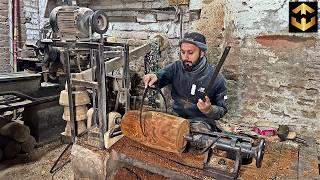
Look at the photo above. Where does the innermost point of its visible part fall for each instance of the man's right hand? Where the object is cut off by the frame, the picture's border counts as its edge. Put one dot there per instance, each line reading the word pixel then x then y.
pixel 149 80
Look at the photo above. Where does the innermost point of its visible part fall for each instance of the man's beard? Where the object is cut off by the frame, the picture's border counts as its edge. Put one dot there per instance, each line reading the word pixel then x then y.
pixel 188 65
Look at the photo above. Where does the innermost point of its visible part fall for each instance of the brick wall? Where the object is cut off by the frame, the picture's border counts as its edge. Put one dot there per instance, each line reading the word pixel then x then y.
pixel 274 73
pixel 27 29
pixel 4 37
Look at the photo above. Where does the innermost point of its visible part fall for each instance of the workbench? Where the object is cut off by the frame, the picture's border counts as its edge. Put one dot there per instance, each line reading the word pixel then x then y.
pixel 127 159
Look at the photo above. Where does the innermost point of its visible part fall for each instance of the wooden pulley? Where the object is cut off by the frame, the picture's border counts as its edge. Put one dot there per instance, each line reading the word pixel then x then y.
pixel 80 98
pixel 161 130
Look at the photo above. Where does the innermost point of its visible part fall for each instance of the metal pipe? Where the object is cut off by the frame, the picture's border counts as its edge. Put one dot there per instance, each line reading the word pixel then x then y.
pixel 10 20
pixel 126 76
pixel 15 31
pixel 66 59
pixel 102 99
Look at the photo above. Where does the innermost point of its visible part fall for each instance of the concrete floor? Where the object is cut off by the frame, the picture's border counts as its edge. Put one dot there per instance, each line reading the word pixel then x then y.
pixel 37 165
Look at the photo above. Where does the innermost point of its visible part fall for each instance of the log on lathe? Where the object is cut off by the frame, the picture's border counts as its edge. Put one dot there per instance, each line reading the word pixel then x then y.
pixel 161 131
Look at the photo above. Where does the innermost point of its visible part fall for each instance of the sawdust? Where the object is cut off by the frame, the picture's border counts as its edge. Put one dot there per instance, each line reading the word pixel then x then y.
pixel 133 173
pixel 275 163
pixel 37 165
pixel 185 163
pixel 279 159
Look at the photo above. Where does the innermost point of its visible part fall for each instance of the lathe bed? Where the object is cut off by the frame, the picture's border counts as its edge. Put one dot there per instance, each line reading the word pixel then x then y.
pixel 131 159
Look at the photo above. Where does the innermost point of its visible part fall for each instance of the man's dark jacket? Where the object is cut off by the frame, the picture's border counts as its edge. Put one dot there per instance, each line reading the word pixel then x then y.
pixel 185 104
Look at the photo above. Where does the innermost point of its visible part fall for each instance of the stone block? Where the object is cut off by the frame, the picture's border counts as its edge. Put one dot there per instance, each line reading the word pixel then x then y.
pixel 165 16
pixel 121 13
pixel 131 26
pixel 156 4
pixel 195 5
pixel 174 31
pixel 4 13
pixel 146 18
pixel 131 34
pixel 178 2
pixel 133 5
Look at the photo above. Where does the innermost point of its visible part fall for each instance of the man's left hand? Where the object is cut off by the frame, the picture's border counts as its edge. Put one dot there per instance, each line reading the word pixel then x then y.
pixel 204 106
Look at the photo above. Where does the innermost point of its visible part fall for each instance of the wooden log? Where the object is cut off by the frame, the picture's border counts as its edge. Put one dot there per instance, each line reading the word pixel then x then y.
pixel 161 131
pixel 12 149
pixel 3 122
pixel 16 131
pixel 28 145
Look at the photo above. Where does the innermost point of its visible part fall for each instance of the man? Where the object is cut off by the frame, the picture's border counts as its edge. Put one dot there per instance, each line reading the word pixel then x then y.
pixel 189 77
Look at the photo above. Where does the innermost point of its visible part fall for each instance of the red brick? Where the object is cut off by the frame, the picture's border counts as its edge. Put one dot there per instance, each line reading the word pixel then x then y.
pixel 286 41
pixel 4 13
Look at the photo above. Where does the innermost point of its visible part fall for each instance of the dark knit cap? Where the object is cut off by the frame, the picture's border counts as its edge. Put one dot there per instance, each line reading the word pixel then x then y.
pixel 195 38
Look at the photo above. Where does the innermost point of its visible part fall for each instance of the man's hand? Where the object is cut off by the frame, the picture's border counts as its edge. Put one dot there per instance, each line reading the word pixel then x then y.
pixel 149 80
pixel 204 106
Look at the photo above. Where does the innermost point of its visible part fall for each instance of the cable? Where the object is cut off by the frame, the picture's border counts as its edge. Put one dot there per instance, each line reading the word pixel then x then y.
pixel 52 170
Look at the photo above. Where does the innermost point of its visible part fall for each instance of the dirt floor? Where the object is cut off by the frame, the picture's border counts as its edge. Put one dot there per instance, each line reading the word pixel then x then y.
pixel 37 165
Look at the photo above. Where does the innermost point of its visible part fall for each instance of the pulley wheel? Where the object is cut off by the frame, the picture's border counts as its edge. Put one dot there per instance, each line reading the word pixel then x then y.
pixel 259 153
pixel 99 22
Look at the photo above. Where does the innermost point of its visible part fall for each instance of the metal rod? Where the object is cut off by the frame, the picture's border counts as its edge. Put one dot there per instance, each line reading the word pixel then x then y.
pixel 217 69
pixel 10 20
pixel 70 96
pixel 101 78
pixel 180 21
pixel 126 76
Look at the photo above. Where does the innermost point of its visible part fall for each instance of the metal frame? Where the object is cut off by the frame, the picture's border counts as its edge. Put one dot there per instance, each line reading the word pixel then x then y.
pixel 98 84
pixel 13 102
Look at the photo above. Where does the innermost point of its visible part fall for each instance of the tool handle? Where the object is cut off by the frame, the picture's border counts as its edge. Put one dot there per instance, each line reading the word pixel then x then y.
pixel 216 71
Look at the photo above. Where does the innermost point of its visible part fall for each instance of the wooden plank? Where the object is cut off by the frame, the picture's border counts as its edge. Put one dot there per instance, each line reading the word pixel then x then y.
pixel 308 161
